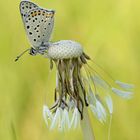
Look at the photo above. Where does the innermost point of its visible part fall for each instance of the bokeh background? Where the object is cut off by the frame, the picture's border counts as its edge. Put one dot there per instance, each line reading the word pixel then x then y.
pixel 109 31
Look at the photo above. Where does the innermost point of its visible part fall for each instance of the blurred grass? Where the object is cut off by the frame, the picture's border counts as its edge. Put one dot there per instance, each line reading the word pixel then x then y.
pixel 110 33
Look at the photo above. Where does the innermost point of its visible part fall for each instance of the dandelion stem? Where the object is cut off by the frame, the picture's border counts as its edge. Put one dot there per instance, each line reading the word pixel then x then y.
pixel 86 126
pixel 109 128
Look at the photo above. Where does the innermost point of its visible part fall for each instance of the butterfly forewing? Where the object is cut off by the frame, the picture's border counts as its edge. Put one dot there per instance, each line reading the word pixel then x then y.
pixel 25 7
pixel 38 23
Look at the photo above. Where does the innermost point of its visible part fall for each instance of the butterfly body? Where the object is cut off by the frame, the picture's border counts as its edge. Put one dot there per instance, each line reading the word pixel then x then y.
pixel 38 23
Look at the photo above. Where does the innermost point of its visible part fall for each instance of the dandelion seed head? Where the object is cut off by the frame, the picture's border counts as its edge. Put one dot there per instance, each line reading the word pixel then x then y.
pixel 64 49
pixel 124 85
pixel 75 91
pixel 122 93
pixel 109 104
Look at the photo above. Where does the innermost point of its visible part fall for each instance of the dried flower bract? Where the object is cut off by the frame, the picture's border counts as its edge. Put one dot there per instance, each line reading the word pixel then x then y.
pixel 75 90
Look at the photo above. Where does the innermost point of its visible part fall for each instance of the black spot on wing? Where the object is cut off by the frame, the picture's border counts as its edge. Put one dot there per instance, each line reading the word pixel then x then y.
pixel 28 27
pixel 25 7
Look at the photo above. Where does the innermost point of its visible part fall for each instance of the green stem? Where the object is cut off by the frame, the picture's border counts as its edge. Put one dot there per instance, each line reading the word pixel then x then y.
pixel 86 126
pixel 109 128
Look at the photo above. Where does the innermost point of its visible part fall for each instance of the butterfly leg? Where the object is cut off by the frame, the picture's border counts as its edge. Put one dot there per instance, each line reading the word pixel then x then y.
pixel 42 49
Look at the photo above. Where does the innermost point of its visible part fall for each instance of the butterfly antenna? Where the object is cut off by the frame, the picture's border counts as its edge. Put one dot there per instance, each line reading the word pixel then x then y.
pixel 17 58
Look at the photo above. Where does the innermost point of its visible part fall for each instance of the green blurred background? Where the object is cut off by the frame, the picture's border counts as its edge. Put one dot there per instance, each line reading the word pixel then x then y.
pixel 109 30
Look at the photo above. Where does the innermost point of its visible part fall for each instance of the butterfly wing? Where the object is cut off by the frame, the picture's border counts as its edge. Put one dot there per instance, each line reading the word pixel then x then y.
pixel 25 7
pixel 38 23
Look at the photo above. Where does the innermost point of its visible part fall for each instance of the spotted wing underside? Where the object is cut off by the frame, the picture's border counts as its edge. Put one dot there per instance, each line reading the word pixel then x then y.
pixel 25 7
pixel 38 22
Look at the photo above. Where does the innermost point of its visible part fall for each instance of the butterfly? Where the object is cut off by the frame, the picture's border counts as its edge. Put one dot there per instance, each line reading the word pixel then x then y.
pixel 38 23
